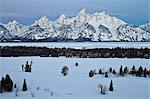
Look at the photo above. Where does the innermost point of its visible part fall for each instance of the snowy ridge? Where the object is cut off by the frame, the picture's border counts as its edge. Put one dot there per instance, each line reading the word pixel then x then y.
pixel 83 27
pixel 15 28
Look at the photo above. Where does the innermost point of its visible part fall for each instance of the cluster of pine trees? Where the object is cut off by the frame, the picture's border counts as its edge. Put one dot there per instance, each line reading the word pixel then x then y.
pixel 27 67
pixel 139 72
pixel 7 85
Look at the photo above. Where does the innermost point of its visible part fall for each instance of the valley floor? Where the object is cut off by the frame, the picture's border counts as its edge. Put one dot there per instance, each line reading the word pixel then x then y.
pixel 46 74
pixel 80 45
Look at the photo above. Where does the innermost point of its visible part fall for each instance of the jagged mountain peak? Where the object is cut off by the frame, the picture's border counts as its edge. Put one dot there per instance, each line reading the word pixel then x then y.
pixel 44 18
pixel 83 11
pixel 62 17
pixel 43 22
pixel 14 27
pixel 103 13
pixel 14 22
pixel 64 20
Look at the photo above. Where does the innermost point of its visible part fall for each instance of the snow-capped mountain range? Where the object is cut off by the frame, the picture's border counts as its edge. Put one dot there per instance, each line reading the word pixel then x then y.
pixel 83 27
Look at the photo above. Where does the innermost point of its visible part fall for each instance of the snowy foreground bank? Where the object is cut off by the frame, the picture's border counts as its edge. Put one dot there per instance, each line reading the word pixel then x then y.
pixel 47 82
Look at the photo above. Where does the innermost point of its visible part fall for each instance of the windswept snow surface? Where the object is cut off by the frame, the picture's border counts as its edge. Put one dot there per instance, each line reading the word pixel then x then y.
pixel 80 45
pixel 46 73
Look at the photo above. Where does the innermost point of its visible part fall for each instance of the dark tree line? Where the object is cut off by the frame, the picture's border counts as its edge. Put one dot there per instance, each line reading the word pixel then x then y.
pixel 70 52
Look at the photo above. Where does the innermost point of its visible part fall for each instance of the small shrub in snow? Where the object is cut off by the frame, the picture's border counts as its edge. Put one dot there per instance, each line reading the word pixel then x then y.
pixel 65 70
pixel 76 64
pixel 22 68
pixel 16 92
pixel 15 86
pixel 52 93
pixel 38 88
pixel 94 71
pixel 102 89
pixel 32 94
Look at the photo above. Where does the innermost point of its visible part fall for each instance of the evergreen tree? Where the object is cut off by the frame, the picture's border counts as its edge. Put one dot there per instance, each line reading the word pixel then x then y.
pixel 2 84
pixel 114 72
pixel 91 73
pixel 126 70
pixel 145 72
pixel 7 84
pixel 111 86
pixel 121 71
pixel 133 70
pixel 24 88
pixel 140 71
pixel 106 75
pixel 1 88
pixel 110 69
pixel 100 71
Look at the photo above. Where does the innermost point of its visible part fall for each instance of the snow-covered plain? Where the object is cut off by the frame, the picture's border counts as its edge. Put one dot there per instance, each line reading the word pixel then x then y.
pixel 79 45
pixel 46 73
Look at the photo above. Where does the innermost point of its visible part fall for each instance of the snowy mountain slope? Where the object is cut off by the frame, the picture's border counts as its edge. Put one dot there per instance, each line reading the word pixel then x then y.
pixel 15 28
pixel 33 32
pixel 83 27
pixel 132 33
pixel 146 27
pixel 4 33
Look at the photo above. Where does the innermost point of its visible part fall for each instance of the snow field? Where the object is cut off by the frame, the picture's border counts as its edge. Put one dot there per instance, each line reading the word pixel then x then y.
pixel 52 84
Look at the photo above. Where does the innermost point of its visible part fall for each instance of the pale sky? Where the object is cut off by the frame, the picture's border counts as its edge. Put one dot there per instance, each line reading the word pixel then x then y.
pixel 27 11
